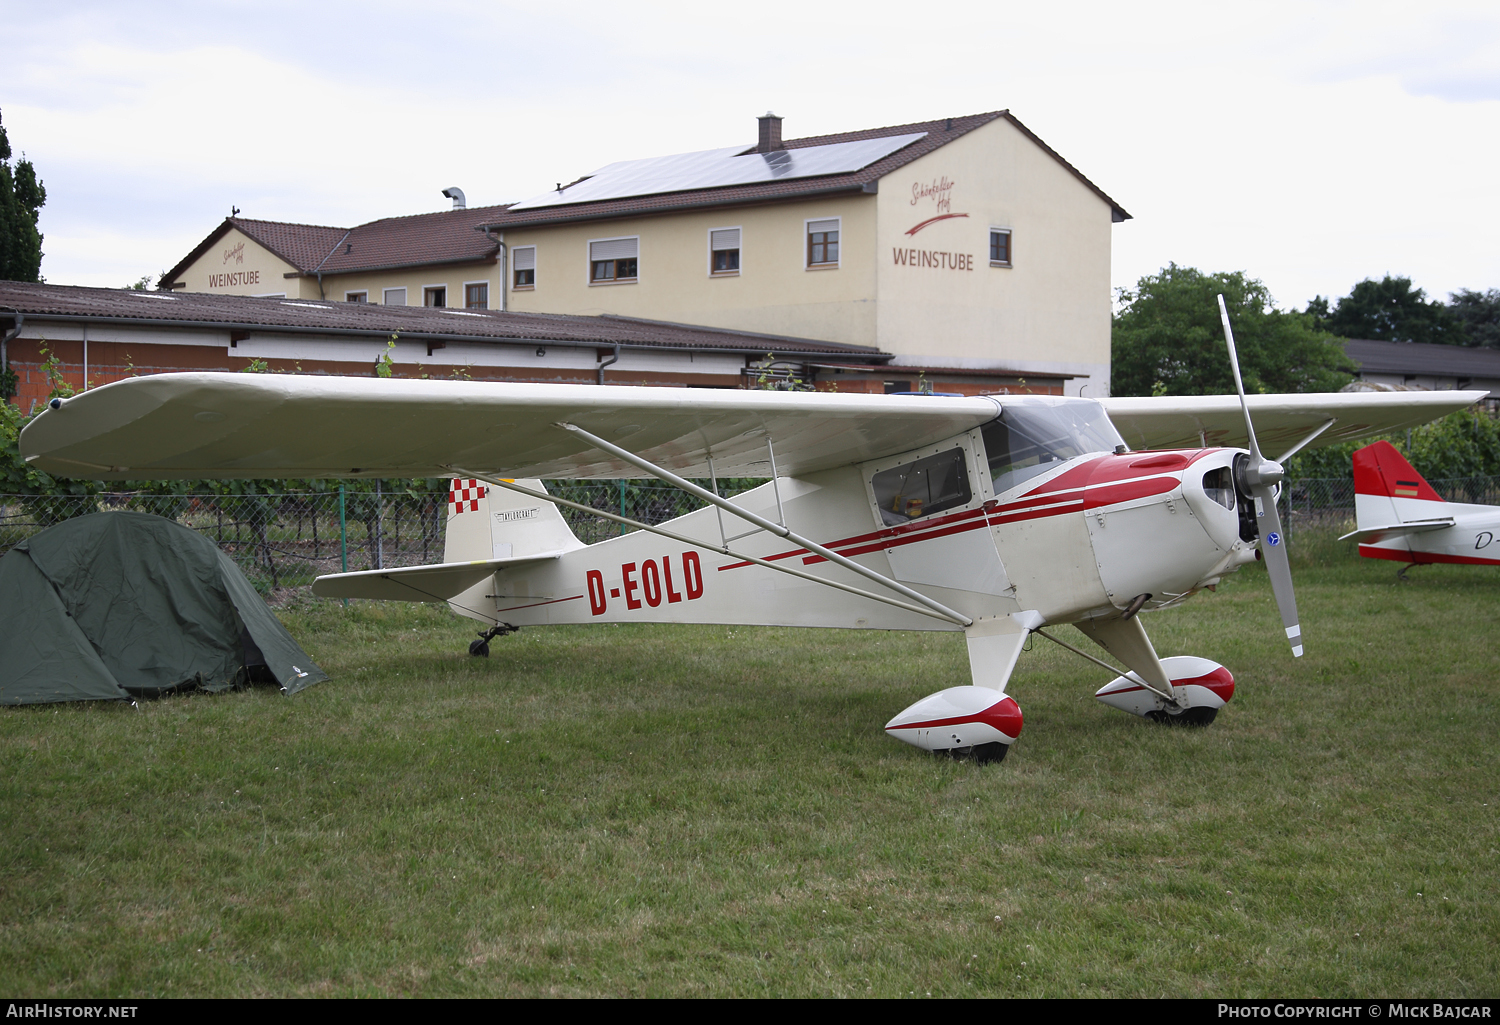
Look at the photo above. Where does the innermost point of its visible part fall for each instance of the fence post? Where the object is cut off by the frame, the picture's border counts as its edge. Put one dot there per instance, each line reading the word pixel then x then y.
pixel 621 483
pixel 343 536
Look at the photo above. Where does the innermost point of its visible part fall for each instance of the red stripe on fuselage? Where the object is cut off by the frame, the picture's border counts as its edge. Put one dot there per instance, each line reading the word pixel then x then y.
pixel 1073 490
pixel 889 537
pixel 554 601
pixel 1423 558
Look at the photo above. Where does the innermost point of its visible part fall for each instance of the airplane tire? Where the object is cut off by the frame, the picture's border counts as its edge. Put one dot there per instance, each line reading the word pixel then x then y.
pixel 1199 716
pixel 480 647
pixel 988 754
pixel 984 754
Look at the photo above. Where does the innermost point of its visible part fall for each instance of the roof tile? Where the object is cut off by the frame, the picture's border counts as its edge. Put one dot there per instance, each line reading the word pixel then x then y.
pixel 119 306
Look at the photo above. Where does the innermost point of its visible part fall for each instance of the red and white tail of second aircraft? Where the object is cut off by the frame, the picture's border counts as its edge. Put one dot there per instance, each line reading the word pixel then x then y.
pixel 1400 517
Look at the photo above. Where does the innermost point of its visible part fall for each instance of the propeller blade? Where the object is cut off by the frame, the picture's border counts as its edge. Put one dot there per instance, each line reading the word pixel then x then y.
pixel 1239 385
pixel 1273 550
pixel 1262 476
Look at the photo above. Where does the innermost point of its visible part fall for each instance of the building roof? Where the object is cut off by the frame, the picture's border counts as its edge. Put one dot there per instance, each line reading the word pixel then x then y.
pixel 1421 358
pixel 447 236
pixel 933 134
pixel 294 316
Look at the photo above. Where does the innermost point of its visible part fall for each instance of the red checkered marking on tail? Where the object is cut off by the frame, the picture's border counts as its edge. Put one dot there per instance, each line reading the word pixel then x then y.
pixel 464 495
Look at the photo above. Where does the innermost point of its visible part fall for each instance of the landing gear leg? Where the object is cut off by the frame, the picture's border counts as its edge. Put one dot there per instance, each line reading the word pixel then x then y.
pixel 482 646
pixel 1401 573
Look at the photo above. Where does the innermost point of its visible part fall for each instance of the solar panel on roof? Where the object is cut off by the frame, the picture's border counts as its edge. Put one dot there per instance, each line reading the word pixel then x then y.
pixel 715 168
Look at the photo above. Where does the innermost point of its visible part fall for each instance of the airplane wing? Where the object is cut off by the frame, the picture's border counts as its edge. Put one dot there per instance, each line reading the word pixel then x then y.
pixel 223 425
pixel 1190 421
pixel 417 583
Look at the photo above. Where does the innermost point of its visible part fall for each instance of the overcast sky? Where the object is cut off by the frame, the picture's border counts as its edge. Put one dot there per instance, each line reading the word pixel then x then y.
pixel 1311 144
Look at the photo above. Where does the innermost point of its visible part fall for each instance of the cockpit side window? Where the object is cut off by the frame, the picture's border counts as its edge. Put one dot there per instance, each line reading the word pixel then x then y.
pixel 922 487
pixel 1037 435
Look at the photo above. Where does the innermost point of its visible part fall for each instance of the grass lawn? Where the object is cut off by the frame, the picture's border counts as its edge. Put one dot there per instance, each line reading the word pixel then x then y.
pixel 706 811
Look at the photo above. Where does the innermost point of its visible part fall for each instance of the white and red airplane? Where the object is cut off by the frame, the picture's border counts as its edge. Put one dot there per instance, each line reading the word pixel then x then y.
pixel 995 516
pixel 1399 516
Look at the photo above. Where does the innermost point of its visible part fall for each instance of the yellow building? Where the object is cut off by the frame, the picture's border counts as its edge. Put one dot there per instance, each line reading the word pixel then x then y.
pixel 439 259
pixel 962 243
pixel 964 246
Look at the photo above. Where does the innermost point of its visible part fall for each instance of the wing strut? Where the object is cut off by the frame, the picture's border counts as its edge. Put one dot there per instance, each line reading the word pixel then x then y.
pixel 1308 440
pixel 946 615
pixel 943 611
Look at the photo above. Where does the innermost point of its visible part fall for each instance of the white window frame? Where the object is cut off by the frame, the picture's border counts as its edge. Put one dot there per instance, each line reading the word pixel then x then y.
pixel 385 296
pixel 432 288
pixel 361 291
pixel 1010 246
pixel 741 250
pixel 486 282
pixel 511 283
pixel 588 264
pixel 807 263
pixel 973 448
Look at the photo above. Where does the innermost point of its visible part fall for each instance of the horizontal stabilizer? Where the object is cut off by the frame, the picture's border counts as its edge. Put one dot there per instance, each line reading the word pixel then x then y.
pixel 1397 529
pixel 417 583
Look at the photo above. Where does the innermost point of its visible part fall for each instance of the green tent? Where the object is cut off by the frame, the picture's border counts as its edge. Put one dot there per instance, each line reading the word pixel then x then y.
pixel 120 605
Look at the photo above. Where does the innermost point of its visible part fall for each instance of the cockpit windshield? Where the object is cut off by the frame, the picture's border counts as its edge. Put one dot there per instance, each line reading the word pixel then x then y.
pixel 1037 433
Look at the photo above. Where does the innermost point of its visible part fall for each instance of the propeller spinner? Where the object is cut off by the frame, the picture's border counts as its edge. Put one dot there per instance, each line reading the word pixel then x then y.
pixel 1258 476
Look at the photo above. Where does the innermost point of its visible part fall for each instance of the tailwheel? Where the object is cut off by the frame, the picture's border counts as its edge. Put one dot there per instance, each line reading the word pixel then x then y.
pixel 481 647
pixel 1202 687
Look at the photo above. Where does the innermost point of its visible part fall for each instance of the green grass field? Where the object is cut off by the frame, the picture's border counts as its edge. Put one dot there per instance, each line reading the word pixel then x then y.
pixel 705 811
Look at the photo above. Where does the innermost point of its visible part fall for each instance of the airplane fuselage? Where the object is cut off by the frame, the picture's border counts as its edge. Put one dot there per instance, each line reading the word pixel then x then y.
pixel 1083 539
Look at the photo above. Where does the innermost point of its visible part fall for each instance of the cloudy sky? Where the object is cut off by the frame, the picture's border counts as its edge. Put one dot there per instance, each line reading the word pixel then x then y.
pixel 1311 144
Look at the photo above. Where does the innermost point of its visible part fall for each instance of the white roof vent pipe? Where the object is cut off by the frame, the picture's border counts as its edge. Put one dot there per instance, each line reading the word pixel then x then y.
pixel 457 195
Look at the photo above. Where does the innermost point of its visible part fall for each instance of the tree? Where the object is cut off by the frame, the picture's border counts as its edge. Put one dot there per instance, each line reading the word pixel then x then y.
pixel 1462 444
pixel 1167 339
pixel 1390 310
pixel 1479 312
pixel 21 196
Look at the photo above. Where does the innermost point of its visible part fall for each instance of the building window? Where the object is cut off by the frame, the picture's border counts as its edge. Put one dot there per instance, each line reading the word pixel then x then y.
pixel 477 295
pixel 435 295
pixel 394 297
pixel 523 267
pixel 823 243
pixel 724 252
pixel 613 260
pixel 356 297
pixel 1000 247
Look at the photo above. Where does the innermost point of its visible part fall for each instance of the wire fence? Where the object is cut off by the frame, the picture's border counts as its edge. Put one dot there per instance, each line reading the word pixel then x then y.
pixel 1310 502
pixel 286 540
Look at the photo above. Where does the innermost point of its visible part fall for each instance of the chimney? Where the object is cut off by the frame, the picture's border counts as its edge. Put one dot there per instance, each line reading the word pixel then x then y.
pixel 770 133
pixel 457 195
